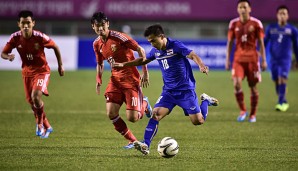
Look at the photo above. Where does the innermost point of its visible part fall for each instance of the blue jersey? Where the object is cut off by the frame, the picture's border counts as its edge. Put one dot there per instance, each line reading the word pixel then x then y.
pixel 175 67
pixel 281 40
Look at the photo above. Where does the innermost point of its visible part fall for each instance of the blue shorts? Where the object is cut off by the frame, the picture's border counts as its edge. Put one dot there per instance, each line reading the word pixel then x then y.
pixel 186 99
pixel 279 69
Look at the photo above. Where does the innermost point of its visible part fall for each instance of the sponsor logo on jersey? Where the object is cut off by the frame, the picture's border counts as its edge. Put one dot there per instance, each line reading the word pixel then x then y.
pixel 251 28
pixel 36 46
pixel 170 52
pixel 113 47
pixel 288 31
pixel 193 108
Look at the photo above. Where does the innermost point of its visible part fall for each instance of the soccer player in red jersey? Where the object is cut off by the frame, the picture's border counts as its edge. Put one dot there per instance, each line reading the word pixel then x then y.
pixel 30 45
pixel 124 84
pixel 246 31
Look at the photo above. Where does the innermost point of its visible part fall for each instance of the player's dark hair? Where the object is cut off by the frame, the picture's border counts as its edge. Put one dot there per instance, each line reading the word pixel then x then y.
pixel 25 14
pixel 282 7
pixel 99 17
pixel 239 1
pixel 155 29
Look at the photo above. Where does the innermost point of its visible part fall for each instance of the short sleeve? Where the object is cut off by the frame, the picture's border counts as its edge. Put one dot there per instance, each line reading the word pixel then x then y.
pixel 180 48
pixel 47 41
pixel 231 31
pixel 99 57
pixel 260 29
pixel 151 54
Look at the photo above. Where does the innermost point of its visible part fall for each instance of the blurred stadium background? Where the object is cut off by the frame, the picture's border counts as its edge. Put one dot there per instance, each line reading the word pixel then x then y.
pixel 84 138
pixel 200 24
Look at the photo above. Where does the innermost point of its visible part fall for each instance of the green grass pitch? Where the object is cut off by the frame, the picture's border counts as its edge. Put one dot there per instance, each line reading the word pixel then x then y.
pixel 84 138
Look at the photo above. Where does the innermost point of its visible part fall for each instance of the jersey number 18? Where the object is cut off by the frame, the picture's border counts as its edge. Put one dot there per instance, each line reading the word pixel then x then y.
pixel 165 64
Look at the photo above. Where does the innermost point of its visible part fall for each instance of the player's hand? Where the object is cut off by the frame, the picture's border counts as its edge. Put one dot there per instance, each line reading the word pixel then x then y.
pixel 117 65
pixel 204 69
pixel 264 65
pixel 227 65
pixel 61 70
pixel 145 80
pixel 11 57
pixel 98 88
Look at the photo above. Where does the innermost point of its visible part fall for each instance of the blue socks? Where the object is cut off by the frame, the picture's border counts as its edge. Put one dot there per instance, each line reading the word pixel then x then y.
pixel 150 131
pixel 281 93
pixel 204 108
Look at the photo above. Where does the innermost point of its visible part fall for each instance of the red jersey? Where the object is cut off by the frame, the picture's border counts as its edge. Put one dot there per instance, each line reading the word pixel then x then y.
pixel 119 48
pixel 31 51
pixel 246 35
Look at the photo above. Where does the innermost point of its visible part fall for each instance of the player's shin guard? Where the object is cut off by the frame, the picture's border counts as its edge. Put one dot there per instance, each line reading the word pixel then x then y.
pixel 240 100
pixel 254 98
pixel 282 93
pixel 121 127
pixel 204 109
pixel 150 131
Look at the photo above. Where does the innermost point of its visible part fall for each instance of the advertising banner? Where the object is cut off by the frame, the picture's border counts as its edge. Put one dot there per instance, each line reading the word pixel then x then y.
pixel 144 9
pixel 212 53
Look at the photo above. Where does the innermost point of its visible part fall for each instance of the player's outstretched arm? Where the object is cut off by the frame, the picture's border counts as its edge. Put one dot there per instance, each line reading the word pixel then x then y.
pixel 59 60
pixel 136 62
pixel 6 56
pixel 145 75
pixel 203 68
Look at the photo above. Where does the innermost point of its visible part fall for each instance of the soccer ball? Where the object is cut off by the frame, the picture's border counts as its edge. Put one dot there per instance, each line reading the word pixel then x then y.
pixel 167 147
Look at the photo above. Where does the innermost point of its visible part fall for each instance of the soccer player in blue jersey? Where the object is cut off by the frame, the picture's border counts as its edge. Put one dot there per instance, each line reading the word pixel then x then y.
pixel 179 82
pixel 280 37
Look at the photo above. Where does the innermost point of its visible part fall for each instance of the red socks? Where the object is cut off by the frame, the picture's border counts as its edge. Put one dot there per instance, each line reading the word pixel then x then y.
pixel 40 117
pixel 254 98
pixel 240 100
pixel 121 127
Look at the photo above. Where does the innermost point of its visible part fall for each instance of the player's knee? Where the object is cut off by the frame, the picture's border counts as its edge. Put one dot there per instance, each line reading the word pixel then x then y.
pixel 36 101
pixel 198 122
pixel 132 116
pixel 36 98
pixel 237 87
pixel 133 119
pixel 156 115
